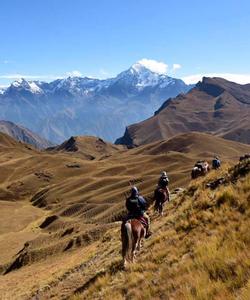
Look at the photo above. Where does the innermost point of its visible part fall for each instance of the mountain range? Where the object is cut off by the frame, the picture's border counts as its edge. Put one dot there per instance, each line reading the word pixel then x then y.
pixel 87 106
pixel 214 105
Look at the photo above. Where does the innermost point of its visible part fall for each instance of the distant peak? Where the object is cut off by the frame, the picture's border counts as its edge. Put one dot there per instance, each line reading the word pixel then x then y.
pixel 138 68
pixel 27 85
pixel 19 82
pixel 150 65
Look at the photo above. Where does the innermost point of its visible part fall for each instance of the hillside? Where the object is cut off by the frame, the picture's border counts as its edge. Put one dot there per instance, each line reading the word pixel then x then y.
pixel 59 210
pixel 200 249
pixel 88 147
pixel 198 144
pixel 215 106
pixel 23 135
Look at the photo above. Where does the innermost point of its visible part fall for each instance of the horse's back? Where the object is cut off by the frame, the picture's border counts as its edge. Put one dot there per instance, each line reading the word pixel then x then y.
pixel 137 228
pixel 160 194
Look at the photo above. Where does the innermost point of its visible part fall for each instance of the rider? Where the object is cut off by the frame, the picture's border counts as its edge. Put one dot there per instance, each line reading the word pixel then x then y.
pixel 216 162
pixel 136 206
pixel 163 181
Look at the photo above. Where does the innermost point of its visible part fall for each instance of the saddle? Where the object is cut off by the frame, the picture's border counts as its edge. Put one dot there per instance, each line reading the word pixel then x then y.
pixel 162 189
pixel 143 221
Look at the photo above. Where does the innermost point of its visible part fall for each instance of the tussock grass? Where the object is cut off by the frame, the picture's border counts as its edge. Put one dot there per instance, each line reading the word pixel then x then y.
pixel 200 251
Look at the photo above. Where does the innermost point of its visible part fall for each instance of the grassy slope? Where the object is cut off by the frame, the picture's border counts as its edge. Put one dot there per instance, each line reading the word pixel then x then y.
pixel 65 257
pixel 200 250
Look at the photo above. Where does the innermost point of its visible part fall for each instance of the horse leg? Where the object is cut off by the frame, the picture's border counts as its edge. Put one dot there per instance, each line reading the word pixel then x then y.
pixel 157 206
pixel 161 213
pixel 139 244
pixel 136 245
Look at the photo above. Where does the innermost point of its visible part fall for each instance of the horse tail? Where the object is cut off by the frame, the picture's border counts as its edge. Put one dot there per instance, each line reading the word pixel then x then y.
pixel 127 242
pixel 129 235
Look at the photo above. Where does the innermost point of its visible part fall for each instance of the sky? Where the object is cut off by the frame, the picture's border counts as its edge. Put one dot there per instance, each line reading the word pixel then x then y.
pixel 48 39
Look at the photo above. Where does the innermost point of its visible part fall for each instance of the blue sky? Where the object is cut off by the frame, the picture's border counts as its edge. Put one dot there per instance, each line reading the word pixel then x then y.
pixel 45 39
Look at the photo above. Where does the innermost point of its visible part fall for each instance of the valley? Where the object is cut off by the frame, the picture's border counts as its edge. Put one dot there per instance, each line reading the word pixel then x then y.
pixel 60 209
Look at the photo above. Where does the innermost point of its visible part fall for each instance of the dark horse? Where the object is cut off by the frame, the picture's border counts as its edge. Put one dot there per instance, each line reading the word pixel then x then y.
pixel 132 233
pixel 161 196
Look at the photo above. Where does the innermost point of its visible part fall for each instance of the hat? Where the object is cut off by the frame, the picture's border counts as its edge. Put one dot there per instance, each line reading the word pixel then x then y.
pixel 134 190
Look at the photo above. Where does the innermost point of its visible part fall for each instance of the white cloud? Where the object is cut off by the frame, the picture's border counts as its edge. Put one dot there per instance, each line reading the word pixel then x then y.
pixel 154 65
pixel 74 73
pixel 238 78
pixel 176 67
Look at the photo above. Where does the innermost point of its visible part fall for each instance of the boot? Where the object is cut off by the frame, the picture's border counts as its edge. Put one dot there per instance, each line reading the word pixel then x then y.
pixel 148 232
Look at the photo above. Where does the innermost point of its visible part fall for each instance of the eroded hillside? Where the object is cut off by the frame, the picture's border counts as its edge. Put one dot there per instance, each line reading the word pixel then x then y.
pixel 199 250
pixel 59 211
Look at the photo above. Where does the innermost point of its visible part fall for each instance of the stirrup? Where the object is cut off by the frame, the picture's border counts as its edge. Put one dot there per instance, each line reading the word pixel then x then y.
pixel 148 234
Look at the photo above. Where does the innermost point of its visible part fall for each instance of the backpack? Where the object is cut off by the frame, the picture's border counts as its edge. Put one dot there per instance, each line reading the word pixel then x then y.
pixel 132 204
pixel 163 182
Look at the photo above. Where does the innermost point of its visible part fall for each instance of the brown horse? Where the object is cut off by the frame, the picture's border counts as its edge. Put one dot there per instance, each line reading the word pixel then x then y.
pixel 132 233
pixel 161 196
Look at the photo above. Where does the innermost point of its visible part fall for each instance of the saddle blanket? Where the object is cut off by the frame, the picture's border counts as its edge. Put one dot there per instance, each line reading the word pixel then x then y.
pixel 143 221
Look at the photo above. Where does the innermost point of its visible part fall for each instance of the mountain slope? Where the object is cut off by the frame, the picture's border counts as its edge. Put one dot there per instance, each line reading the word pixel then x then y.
pixel 199 250
pixel 195 143
pixel 215 105
pixel 58 210
pixel 23 134
pixel 88 147
pixel 86 106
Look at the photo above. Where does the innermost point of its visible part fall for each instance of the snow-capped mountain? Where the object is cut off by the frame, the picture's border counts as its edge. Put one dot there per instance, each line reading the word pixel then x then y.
pixel 79 106
pixel 23 85
pixel 140 77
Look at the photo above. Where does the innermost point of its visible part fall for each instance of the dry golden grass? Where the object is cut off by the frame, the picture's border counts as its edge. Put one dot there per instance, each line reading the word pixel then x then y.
pixel 200 251
pixel 77 251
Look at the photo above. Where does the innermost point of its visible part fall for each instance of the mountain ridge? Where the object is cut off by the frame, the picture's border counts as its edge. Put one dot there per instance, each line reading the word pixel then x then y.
pixel 214 105
pixel 87 106
pixel 24 135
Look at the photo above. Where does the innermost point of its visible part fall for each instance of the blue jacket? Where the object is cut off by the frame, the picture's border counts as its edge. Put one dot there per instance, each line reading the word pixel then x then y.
pixel 136 205
pixel 142 203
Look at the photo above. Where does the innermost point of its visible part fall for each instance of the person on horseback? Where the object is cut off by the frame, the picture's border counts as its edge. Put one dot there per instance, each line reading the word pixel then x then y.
pixel 136 206
pixel 163 181
pixel 161 193
pixel 216 163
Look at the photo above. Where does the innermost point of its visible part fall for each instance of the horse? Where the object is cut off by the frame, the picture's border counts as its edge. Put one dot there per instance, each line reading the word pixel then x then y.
pixel 246 156
pixel 132 233
pixel 201 168
pixel 196 172
pixel 161 196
